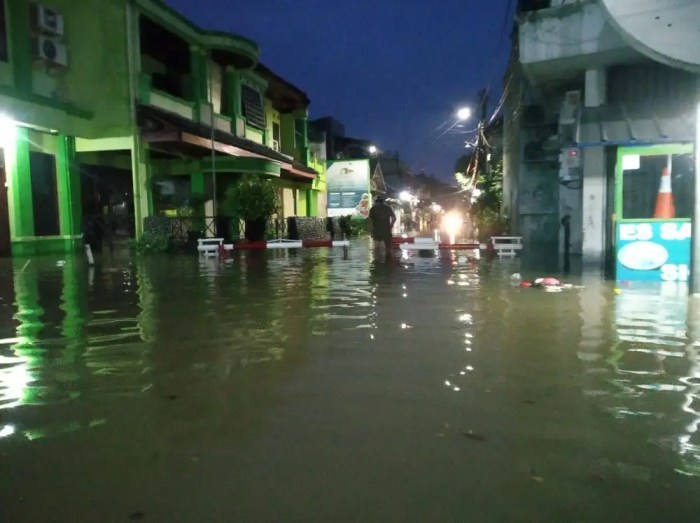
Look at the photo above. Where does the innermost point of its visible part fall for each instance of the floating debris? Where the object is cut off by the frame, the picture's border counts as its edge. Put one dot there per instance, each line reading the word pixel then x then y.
pixel 474 435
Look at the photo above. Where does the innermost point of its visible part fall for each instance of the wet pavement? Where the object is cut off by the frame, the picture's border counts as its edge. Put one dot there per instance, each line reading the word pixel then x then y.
pixel 315 386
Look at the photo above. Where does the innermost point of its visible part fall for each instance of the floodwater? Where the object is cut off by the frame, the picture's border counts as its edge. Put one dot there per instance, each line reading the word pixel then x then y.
pixel 319 386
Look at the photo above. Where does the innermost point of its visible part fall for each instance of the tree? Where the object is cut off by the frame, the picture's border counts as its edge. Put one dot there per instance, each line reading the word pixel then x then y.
pixel 486 189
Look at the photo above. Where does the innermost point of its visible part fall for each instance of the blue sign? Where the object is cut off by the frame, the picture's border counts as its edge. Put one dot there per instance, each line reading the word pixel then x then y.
pixel 653 251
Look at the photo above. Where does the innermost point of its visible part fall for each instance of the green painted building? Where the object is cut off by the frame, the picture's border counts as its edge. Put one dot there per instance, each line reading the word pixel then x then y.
pixel 115 110
pixel 208 111
pixel 56 89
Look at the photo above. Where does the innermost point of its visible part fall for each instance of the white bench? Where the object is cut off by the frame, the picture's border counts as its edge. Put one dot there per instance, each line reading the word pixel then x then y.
pixel 209 247
pixel 420 244
pixel 506 245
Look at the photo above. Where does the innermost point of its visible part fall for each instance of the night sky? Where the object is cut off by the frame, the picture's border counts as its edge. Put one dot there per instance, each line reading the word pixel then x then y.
pixel 393 71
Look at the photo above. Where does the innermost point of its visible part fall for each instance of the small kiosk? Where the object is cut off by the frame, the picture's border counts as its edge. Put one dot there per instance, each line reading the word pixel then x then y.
pixel 653 210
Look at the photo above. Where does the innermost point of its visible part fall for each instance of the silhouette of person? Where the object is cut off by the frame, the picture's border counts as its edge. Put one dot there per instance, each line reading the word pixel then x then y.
pixel 381 222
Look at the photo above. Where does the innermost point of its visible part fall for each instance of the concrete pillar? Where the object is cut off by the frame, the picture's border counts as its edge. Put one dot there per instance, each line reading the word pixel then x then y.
pixel 230 93
pixel 68 182
pixel 143 197
pixel 197 183
pixel 18 173
pixel 594 179
pixel 200 74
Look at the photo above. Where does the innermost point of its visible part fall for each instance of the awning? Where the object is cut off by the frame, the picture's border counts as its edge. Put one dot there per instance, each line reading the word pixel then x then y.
pixel 623 124
pixel 162 127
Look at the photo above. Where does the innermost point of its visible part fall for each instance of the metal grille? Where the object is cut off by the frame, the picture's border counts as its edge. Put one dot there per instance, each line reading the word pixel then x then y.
pixel 183 228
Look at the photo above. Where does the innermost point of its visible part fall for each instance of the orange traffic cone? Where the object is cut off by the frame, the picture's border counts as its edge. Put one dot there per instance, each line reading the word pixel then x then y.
pixel 665 208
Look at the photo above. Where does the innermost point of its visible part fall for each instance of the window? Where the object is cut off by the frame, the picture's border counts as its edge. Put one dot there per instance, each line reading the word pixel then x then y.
pixel 253 109
pixel 276 132
pixel 642 179
pixel 4 55
pixel 44 194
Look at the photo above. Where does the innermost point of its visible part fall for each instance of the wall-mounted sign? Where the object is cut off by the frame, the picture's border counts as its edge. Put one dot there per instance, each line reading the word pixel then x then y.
pixel 347 183
pixel 631 162
pixel 653 251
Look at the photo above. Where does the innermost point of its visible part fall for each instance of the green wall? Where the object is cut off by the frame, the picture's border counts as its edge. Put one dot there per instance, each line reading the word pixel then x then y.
pixel 65 99
pixel 21 206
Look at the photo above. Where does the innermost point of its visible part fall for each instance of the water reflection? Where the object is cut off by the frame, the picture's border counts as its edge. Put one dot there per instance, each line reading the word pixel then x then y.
pixel 63 349
pixel 271 361
pixel 649 375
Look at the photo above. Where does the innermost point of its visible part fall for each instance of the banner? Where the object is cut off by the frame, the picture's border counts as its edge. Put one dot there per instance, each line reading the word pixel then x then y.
pixel 653 251
pixel 347 183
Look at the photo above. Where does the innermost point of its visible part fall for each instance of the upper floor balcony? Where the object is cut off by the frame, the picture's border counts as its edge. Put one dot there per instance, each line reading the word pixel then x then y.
pixel 560 38
pixel 215 80
pixel 182 68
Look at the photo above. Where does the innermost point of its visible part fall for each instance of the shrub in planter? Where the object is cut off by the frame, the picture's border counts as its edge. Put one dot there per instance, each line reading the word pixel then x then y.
pixel 490 223
pixel 252 199
pixel 151 242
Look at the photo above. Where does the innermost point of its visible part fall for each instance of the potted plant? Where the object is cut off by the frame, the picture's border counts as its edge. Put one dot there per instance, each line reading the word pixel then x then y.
pixel 252 199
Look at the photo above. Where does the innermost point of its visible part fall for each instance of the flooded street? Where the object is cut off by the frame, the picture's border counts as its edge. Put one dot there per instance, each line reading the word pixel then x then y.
pixel 314 386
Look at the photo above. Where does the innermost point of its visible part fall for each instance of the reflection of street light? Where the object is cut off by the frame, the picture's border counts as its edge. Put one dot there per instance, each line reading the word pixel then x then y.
pixel 464 113
pixel 372 149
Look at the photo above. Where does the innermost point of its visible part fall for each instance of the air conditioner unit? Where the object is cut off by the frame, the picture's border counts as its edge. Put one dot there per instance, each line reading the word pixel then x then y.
pixel 275 145
pixel 569 108
pixel 51 50
pixel 47 21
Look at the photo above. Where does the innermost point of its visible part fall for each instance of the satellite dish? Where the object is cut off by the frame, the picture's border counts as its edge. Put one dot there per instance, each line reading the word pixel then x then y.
pixel 666 30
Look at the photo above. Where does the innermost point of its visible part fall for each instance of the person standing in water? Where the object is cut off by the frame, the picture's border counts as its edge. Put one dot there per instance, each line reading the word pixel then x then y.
pixel 381 222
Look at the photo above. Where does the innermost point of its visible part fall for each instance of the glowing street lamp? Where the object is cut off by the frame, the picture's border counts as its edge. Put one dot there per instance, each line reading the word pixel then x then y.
pixel 452 222
pixel 405 196
pixel 372 149
pixel 464 113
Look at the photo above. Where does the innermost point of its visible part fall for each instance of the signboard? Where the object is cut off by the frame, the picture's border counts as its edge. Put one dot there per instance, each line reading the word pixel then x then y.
pixel 347 183
pixel 653 251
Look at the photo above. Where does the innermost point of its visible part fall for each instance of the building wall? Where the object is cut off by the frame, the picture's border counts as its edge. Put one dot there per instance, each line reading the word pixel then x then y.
pixel 88 98
pixel 511 146
pixel 273 117
pixel 65 98
pixel 216 78
pixel 288 202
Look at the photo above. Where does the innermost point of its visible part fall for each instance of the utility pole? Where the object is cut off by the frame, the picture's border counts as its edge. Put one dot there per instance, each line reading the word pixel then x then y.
pixel 484 100
pixel 480 147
